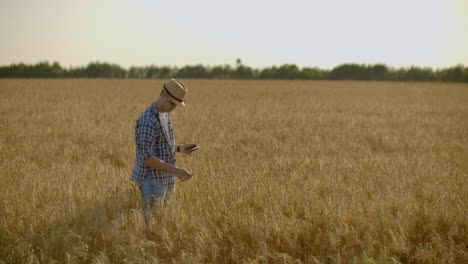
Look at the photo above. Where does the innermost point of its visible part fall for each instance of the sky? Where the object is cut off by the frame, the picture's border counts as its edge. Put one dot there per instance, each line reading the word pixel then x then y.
pixel 261 33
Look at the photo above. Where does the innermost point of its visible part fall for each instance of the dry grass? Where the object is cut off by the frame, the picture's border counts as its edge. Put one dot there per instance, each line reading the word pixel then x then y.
pixel 288 172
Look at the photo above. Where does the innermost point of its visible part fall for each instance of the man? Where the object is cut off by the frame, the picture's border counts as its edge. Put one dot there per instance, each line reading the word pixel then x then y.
pixel 155 168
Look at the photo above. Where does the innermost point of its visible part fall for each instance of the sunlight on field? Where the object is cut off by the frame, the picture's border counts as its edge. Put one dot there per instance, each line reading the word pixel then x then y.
pixel 288 172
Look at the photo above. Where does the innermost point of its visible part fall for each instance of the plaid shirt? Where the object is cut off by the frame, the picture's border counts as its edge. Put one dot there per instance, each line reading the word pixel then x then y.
pixel 152 140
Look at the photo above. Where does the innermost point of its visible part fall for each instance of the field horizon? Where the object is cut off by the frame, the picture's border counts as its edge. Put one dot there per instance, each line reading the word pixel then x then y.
pixel 288 172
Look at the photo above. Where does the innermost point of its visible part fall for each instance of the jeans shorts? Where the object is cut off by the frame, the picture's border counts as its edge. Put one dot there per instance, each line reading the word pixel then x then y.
pixel 153 192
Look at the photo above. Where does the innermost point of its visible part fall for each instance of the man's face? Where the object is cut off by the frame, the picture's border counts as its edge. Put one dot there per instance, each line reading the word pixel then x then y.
pixel 167 104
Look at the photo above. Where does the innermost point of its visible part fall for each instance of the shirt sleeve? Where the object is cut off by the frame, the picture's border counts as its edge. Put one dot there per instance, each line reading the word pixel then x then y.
pixel 145 137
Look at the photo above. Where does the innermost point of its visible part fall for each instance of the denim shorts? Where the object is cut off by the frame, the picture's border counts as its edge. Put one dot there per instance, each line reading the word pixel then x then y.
pixel 153 192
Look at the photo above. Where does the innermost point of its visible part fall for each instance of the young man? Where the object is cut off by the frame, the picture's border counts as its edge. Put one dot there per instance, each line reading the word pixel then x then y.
pixel 155 160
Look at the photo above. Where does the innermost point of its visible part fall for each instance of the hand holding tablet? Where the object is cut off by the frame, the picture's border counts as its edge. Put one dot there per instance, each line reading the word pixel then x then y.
pixel 188 148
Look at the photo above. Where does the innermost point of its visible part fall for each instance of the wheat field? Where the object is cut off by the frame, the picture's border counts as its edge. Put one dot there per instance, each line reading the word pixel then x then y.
pixel 288 172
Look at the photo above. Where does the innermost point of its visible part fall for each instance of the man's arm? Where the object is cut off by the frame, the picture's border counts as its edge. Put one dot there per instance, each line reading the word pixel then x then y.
pixel 157 164
pixel 145 140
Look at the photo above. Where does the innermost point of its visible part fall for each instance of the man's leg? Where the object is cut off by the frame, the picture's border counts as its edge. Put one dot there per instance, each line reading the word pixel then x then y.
pixel 169 193
pixel 152 194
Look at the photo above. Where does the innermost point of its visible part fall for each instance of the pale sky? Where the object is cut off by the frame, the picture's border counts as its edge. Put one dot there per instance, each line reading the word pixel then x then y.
pixel 261 32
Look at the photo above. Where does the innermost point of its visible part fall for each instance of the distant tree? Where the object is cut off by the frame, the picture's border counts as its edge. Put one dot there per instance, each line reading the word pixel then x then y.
pixel 135 72
pixel 197 71
pixel 166 72
pixel 221 72
pixel 349 72
pixel 152 72
pixel 312 74
pixel 268 73
pixel 243 72
pixel 104 70
pixel 454 74
pixel 465 74
pixel 287 71
pixel 415 73
pixel 20 70
pixel 41 70
pixel 78 72
pixel 57 70
pixel 378 72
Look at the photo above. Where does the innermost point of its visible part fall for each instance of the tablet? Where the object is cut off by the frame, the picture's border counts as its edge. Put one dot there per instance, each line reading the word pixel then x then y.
pixel 192 148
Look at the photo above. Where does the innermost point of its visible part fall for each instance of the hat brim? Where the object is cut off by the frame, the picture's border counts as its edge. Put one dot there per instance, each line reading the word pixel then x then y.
pixel 177 102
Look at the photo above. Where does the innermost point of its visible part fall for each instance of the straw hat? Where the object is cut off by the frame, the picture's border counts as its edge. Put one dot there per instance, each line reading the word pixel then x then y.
pixel 176 91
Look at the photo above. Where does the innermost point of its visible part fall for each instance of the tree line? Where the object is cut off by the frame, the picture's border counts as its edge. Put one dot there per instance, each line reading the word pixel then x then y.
pixel 348 71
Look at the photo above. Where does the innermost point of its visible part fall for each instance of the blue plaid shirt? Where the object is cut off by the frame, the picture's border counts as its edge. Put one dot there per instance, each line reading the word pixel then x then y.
pixel 153 140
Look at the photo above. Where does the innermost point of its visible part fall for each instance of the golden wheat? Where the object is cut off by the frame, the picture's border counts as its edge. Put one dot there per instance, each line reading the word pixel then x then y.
pixel 288 172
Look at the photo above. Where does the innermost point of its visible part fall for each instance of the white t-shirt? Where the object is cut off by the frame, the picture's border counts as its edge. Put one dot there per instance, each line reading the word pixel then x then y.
pixel 164 117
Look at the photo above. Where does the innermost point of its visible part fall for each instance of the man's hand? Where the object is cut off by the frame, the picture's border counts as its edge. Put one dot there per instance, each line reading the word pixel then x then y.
pixel 157 164
pixel 187 148
pixel 183 174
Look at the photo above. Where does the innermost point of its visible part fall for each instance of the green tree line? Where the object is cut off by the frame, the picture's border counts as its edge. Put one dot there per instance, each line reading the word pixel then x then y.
pixel 348 71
